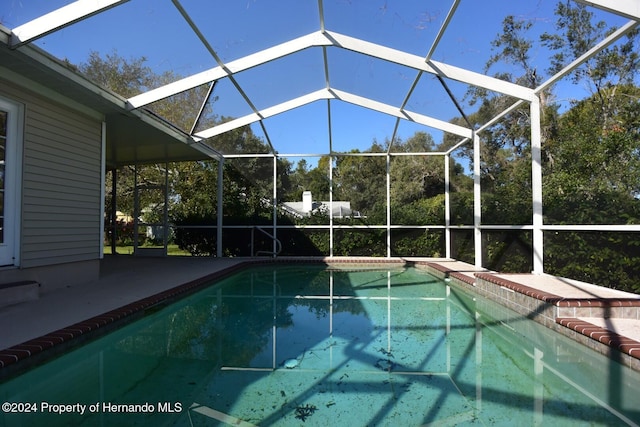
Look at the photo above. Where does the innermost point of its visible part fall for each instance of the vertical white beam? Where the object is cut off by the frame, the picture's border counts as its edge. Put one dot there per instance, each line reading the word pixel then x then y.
pixel 165 214
pixel 536 186
pixel 447 208
pixel 275 206
pixel 136 209
pixel 219 209
pixel 103 165
pixel 388 203
pixel 477 203
pixel 330 205
pixel 112 214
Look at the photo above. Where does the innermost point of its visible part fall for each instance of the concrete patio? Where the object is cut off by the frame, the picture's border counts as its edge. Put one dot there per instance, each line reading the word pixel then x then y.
pixel 123 280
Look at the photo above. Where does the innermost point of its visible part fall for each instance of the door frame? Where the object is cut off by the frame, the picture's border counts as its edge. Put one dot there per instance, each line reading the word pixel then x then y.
pixel 10 249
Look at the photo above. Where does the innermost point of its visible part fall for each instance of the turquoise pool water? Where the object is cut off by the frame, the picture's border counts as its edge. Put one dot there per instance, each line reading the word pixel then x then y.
pixel 314 346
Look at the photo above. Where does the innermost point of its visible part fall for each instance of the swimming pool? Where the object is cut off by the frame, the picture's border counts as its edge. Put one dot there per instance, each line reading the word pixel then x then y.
pixel 312 345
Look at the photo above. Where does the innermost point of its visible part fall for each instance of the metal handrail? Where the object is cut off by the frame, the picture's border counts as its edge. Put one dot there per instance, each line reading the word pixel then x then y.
pixel 275 239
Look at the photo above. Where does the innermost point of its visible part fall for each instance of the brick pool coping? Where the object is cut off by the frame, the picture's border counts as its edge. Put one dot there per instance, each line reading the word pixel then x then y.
pixel 62 339
pixel 556 312
pixel 74 333
pixel 487 284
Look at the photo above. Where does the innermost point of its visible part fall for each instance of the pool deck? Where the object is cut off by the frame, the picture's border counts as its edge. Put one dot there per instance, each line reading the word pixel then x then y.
pixel 599 317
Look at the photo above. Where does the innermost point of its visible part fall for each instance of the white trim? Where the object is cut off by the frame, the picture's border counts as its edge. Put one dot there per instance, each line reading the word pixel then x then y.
pixel 32 86
pixel 337 154
pixel 443 29
pixel 388 203
pixel 627 8
pixel 593 227
pixel 567 228
pixel 536 187
pixel 60 70
pixel 59 18
pixel 401 113
pixel 331 224
pixel 447 206
pixel 275 207
pixel 433 67
pixel 266 113
pixel 339 95
pixel 13 179
pixel 103 167
pixel 232 67
pixel 477 204
pixel 219 207
pixel 329 38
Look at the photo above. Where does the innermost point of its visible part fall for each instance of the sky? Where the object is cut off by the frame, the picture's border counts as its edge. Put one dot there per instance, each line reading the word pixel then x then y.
pixel 155 29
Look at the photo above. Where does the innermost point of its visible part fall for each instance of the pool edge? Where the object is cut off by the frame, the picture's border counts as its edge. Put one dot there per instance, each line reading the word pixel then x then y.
pixel 550 310
pixel 25 355
pixel 543 307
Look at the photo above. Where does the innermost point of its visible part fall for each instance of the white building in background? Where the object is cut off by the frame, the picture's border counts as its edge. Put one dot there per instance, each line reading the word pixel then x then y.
pixel 307 207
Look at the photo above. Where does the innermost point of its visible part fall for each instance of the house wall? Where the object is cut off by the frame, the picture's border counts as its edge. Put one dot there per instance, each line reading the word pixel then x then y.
pixel 61 190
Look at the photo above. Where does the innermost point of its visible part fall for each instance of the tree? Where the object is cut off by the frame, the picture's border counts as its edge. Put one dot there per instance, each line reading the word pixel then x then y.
pixel 129 78
pixel 610 68
pixel 124 77
pixel 595 175
pixel 594 156
pixel 575 34
pixel 590 153
pixel 192 185
pixel 415 177
pixel 513 47
pixel 304 178
pixel 362 181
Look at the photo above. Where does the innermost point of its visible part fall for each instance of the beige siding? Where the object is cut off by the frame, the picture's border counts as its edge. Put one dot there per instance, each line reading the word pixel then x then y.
pixel 60 182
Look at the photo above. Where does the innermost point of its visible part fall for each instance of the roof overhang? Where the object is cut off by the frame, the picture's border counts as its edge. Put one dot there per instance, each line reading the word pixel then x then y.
pixel 132 136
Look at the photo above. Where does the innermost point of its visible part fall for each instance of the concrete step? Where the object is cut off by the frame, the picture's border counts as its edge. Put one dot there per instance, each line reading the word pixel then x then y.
pixel 16 292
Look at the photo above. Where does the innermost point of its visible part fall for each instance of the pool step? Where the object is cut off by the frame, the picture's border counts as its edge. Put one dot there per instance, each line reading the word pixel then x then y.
pixel 16 292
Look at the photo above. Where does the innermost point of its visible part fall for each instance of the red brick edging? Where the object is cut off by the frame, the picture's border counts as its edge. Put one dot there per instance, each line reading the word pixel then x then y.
pixel 38 345
pixel 611 339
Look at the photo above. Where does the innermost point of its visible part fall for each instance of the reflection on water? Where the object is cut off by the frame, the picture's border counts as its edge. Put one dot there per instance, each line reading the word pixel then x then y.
pixel 317 346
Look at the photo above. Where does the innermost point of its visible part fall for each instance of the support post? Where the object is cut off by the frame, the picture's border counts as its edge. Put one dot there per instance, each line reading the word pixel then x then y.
pixel 275 206
pixel 447 207
pixel 477 203
pixel 388 206
pixel 330 205
pixel 113 215
pixel 219 209
pixel 165 215
pixel 103 171
pixel 136 210
pixel 536 187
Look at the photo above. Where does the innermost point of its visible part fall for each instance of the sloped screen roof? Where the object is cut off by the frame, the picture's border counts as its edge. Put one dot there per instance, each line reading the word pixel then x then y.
pixel 308 76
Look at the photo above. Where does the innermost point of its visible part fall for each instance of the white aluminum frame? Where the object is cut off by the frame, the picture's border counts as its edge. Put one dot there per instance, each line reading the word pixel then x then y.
pixel 323 38
pixel 58 19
